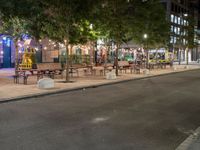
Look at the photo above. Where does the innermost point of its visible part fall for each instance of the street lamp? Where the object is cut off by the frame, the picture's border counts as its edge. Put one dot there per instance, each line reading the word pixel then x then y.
pixel 145 36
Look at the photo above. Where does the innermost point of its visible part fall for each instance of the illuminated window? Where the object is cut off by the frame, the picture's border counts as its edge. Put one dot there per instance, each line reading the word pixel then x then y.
pixel 171 39
pixel 174 39
pixel 179 20
pixel 175 19
pixel 185 22
pixel 184 41
pixel 172 28
pixel 178 30
pixel 172 18
pixel 175 30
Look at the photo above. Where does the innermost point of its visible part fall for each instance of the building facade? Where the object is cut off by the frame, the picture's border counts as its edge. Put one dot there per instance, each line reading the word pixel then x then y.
pixel 184 17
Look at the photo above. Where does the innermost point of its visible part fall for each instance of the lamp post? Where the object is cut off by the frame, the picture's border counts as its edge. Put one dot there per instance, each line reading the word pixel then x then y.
pixel 145 36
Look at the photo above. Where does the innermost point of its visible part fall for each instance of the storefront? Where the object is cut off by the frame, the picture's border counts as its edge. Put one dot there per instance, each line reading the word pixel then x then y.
pixel 7 54
pixel 27 52
pixel 56 52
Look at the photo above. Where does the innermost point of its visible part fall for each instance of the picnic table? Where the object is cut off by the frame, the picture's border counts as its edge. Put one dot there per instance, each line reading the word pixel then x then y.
pixel 24 74
pixel 40 73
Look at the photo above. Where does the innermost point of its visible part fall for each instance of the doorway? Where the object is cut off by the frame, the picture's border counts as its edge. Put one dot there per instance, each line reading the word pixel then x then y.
pixel 6 52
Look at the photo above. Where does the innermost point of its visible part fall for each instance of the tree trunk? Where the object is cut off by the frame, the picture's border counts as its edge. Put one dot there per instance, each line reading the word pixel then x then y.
pixel 93 47
pixel 156 55
pixel 67 61
pixel 179 57
pixel 16 57
pixel 70 55
pixel 106 55
pixel 147 59
pixel 116 60
pixel 187 59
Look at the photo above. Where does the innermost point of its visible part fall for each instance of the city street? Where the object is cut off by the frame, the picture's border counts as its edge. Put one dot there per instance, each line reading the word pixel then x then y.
pixel 156 113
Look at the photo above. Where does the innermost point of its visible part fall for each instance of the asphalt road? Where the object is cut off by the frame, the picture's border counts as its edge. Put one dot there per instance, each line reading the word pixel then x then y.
pixel 151 114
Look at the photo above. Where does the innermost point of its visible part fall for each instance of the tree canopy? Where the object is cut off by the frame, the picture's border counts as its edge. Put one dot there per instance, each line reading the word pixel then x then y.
pixel 69 21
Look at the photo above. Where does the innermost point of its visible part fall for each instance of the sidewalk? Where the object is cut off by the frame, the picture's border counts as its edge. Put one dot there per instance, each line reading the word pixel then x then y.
pixel 11 91
pixel 192 142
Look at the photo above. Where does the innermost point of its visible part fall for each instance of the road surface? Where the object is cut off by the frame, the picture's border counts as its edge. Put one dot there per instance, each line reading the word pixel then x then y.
pixel 155 113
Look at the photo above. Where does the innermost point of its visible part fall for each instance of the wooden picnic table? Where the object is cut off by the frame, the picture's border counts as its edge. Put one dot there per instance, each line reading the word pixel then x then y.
pixel 33 72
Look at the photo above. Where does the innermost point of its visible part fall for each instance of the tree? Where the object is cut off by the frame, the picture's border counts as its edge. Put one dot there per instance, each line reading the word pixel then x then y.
pixel 124 21
pixel 19 18
pixel 67 23
pixel 190 36
pixel 114 20
pixel 150 20
pixel 15 28
pixel 63 20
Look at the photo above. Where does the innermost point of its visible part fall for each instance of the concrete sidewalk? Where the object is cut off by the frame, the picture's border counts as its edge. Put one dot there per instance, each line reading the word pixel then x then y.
pixel 10 91
pixel 192 142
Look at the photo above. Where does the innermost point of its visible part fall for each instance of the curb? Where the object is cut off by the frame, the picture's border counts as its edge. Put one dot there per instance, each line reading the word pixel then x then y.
pixel 189 142
pixel 12 99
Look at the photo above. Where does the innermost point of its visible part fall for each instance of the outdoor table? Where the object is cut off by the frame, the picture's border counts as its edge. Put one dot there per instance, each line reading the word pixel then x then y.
pixel 33 72
pixel 73 70
pixel 151 65
pixel 21 73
